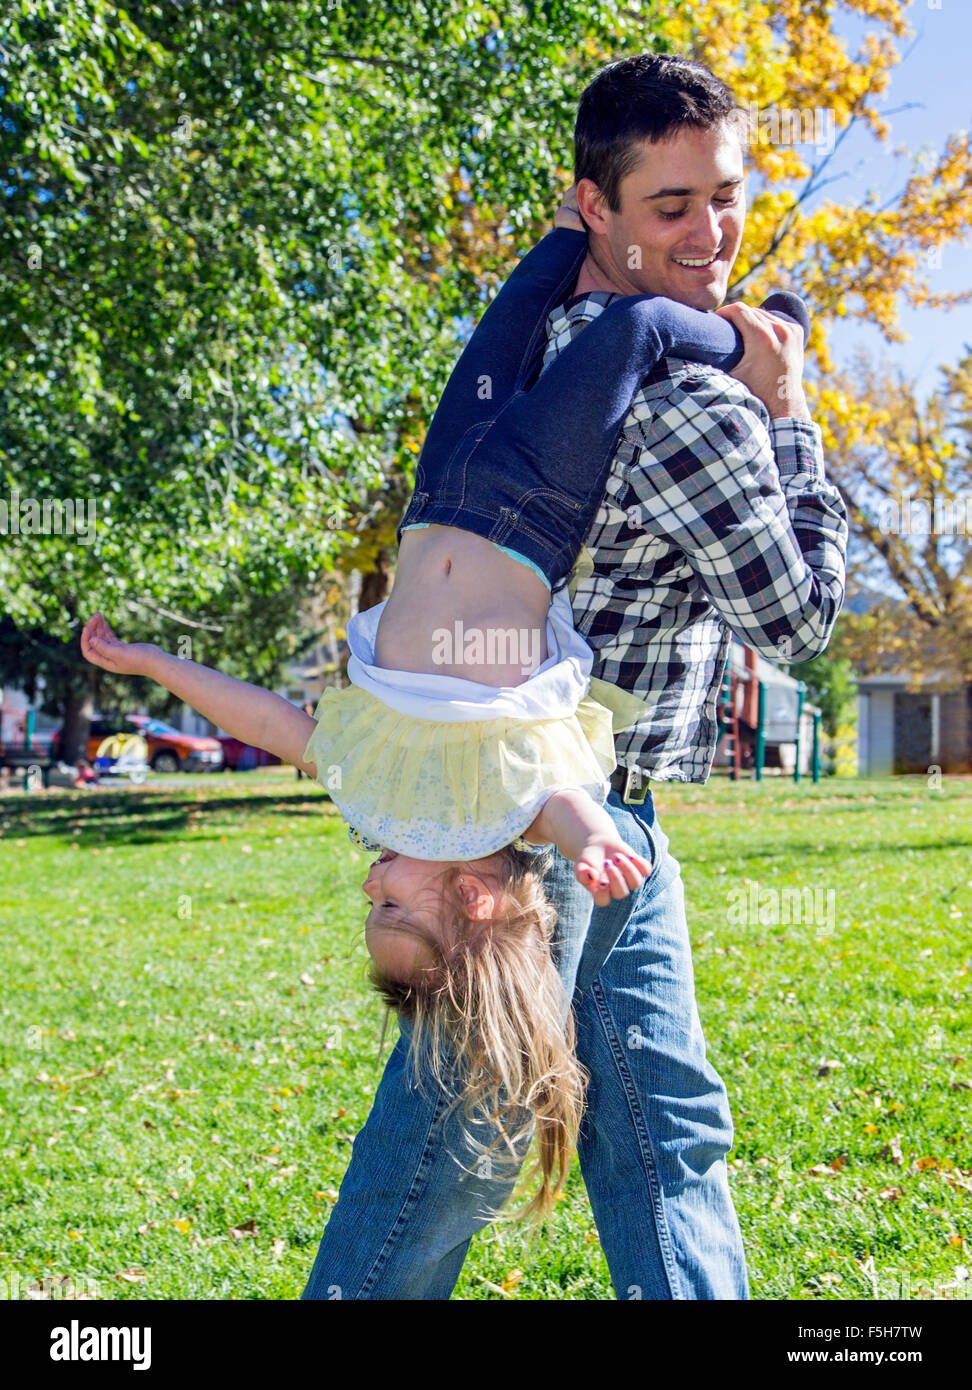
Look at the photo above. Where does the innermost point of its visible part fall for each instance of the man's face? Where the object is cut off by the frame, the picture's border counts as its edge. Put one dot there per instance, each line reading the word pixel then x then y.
pixel 684 201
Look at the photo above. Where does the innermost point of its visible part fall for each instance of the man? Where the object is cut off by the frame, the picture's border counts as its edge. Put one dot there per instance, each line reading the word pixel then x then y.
pixel 716 518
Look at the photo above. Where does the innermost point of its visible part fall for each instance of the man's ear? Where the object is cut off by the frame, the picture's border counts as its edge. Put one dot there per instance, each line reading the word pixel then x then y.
pixel 590 201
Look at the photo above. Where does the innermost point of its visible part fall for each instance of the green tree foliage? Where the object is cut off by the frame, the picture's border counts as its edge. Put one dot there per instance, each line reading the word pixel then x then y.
pixel 228 299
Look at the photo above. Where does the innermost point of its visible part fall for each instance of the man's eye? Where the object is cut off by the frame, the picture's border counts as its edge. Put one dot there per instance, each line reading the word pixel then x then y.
pixel 671 216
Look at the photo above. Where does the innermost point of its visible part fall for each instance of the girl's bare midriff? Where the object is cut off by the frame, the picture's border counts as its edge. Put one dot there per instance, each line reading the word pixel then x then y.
pixel 460 607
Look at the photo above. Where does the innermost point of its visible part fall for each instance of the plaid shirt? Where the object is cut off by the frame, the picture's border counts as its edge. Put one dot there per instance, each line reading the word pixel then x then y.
pixel 715 520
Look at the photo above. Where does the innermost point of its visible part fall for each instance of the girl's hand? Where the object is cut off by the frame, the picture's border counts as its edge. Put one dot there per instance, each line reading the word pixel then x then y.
pixel 568 215
pixel 101 647
pixel 608 869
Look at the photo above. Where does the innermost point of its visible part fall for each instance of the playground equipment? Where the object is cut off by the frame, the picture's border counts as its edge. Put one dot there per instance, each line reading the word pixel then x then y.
pixel 756 712
pixel 123 755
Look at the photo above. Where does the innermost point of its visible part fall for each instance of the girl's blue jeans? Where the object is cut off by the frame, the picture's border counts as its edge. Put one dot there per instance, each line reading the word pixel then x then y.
pixel 524 465
pixel 653 1141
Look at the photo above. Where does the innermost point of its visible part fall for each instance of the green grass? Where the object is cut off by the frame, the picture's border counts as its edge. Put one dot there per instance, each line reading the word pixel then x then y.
pixel 169 1075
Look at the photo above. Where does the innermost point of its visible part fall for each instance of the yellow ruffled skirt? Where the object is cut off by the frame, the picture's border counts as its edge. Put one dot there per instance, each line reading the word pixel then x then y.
pixel 455 791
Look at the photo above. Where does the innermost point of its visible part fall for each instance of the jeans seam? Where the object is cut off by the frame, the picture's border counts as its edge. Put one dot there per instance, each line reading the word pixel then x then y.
pixel 644 1140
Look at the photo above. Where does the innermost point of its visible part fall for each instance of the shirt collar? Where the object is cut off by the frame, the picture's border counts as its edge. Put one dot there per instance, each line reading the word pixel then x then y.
pixel 580 306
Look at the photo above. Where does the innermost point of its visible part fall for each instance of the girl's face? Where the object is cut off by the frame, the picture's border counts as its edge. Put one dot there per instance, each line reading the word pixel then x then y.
pixel 404 890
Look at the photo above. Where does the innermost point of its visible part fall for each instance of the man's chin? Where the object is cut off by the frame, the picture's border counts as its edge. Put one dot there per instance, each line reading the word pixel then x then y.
pixel 705 296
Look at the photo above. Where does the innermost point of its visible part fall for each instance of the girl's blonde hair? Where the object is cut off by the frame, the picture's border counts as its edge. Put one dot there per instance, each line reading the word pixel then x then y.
pixel 493 1007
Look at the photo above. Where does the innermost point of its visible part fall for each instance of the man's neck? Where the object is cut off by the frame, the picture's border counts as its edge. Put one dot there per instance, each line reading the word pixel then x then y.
pixel 600 273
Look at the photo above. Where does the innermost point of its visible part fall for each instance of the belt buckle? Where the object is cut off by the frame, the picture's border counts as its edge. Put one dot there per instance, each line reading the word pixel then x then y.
pixel 632 782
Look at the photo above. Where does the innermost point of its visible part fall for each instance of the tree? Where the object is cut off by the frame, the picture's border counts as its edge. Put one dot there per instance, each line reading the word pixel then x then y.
pixel 804 93
pixel 861 259
pixel 226 292
pixel 245 241
pixel 905 470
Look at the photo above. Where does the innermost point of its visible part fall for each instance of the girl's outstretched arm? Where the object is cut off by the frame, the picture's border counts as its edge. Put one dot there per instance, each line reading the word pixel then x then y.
pixel 585 833
pixel 247 712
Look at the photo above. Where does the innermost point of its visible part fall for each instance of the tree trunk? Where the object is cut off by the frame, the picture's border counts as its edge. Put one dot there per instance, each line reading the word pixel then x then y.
pixel 78 709
pixel 376 584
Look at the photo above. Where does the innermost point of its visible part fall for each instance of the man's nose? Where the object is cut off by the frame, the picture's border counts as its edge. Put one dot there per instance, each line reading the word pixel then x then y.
pixel 704 229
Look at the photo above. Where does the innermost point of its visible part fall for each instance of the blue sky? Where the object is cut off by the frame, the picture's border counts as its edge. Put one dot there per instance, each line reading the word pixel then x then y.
pixel 935 81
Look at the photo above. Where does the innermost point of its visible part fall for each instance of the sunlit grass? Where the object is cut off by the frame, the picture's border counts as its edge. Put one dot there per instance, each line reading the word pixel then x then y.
pixel 189 1045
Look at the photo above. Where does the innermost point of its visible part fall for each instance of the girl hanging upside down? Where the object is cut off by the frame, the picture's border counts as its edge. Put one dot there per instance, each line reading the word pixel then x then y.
pixel 472 733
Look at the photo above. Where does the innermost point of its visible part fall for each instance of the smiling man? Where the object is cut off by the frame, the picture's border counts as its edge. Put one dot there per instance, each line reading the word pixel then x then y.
pixel 716 518
pixel 678 225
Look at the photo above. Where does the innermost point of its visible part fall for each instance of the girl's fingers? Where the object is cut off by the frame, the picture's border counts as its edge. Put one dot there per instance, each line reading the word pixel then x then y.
pixel 629 871
pixel 594 881
pixel 616 883
pixel 591 865
pixel 633 866
pixel 614 876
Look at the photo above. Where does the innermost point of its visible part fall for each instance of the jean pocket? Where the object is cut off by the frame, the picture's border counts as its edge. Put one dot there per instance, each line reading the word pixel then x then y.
pixel 651 831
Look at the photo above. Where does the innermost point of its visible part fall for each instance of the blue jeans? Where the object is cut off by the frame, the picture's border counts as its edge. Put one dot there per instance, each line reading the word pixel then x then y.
pixel 526 466
pixel 653 1140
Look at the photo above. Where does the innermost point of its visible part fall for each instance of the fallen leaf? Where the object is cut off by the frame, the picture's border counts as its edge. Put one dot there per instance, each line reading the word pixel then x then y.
pixel 247 1228
pixel 131 1276
pixel 892 1150
pixel 825 1068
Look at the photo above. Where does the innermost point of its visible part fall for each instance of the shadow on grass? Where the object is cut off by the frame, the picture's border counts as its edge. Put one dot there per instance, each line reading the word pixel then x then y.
pixel 134 816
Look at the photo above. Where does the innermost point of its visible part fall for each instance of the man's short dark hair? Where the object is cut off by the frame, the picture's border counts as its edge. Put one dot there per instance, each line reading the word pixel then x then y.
pixel 648 97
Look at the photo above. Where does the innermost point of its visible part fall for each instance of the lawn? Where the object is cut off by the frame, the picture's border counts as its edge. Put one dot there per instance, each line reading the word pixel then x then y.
pixel 189 1045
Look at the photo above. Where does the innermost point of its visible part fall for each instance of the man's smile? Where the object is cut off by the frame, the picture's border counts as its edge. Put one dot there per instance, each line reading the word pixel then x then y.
pixel 699 262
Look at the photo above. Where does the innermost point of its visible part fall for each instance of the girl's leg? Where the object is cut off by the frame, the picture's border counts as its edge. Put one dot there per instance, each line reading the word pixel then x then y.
pixel 504 352
pixel 561 434
pixel 539 467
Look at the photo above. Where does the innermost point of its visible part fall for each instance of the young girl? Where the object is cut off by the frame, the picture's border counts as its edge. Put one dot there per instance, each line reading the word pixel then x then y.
pixel 472 730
